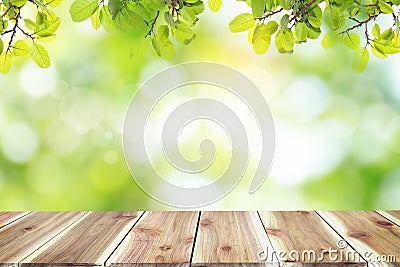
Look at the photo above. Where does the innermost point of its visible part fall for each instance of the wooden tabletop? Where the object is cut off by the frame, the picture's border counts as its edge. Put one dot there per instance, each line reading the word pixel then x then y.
pixel 193 238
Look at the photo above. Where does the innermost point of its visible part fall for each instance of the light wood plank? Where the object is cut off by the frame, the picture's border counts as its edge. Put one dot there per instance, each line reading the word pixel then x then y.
pixel 369 233
pixel 302 238
pixel 89 241
pixel 9 217
pixel 231 239
pixel 159 239
pixel 21 238
pixel 393 215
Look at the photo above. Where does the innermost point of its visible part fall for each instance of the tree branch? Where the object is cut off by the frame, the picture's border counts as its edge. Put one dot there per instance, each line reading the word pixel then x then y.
pixel 269 14
pixel 14 30
pixel 303 10
pixel 153 24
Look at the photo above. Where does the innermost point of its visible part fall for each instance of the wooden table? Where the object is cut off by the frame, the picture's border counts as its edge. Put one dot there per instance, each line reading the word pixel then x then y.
pixel 192 238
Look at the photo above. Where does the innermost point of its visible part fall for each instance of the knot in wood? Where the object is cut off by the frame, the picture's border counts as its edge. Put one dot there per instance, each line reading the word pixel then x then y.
pixel 226 248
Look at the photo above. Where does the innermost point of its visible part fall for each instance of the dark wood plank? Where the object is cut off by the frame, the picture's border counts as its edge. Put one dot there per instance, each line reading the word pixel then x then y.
pixel 302 238
pixel 160 238
pixel 89 241
pixel 232 238
pixel 21 238
pixel 371 234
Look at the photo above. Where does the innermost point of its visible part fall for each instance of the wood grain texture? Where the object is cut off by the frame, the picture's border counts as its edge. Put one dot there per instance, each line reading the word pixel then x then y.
pixel 369 233
pixel 230 239
pixel 160 238
pixel 393 215
pixel 9 217
pixel 302 238
pixel 89 241
pixel 21 238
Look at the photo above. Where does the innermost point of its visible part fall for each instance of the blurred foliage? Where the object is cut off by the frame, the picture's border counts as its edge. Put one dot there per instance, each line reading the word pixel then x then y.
pixel 60 128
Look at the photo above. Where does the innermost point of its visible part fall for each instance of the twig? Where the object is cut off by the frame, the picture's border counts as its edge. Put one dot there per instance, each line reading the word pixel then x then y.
pixel 8 9
pixel 359 24
pixel 14 30
pixel 153 24
pixel 270 14
pixel 302 11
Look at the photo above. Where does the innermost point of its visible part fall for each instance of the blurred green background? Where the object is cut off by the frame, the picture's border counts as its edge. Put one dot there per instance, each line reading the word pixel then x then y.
pixel 338 133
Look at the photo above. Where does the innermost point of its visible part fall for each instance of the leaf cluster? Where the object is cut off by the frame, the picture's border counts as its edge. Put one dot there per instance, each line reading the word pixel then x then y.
pixel 292 22
pixel 163 23
pixel 20 35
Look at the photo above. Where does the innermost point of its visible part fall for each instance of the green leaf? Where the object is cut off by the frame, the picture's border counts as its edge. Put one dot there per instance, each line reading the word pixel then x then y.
pixel 181 32
pixel 5 63
pixel 396 40
pixel 360 59
pixel 377 53
pixel 332 17
pixel 3 24
pixel 258 7
pixel 301 31
pixel 106 19
pixel 315 22
pixel 188 15
pixel 284 21
pixel 18 3
pixel 139 9
pixel 1 46
pixel 81 10
pixel 30 24
pixel 387 34
pixel 214 5
pixel 115 7
pixel 41 18
pixel 156 46
pixel 20 48
pixel 47 38
pixel 53 3
pixel 376 31
pixel 284 41
pixel 386 49
pixel 352 40
pixel 167 51
pixel 168 18
pixel 261 39
pixel 198 7
pixel 330 39
pixel 250 34
pixel 385 7
pixel 241 23
pixel 48 28
pixel 313 33
pixel 39 55
pixel 271 27
pixel 95 19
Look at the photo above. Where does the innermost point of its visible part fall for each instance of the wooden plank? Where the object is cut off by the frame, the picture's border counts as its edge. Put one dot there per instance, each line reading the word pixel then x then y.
pixel 21 238
pixel 158 239
pixel 369 233
pixel 231 239
pixel 302 238
pixel 393 215
pixel 89 241
pixel 9 217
